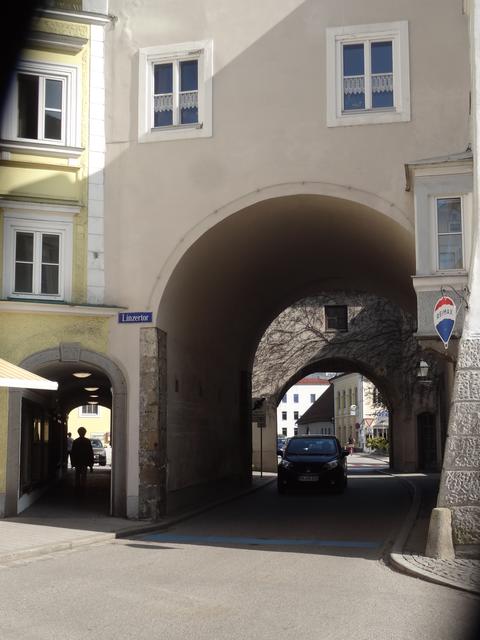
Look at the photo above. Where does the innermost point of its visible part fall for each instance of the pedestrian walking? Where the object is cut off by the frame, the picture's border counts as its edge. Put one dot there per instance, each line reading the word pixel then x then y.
pixel 81 457
pixel 351 445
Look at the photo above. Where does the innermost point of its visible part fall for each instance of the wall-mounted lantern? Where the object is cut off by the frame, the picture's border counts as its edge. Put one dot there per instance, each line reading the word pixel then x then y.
pixel 422 370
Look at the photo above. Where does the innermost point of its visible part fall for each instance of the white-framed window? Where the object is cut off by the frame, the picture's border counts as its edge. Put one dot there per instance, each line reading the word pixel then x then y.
pixel 295 398
pixel 89 411
pixel 43 106
pixel 368 74
pixel 312 397
pixel 37 253
pixel 449 233
pixel 284 399
pixel 175 91
pixel 284 415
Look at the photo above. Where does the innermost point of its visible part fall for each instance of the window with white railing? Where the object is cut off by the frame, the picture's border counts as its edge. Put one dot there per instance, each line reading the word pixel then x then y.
pixel 368 74
pixel 175 91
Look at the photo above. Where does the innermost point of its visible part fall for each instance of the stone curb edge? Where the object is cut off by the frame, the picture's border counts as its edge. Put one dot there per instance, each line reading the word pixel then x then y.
pixel 45 549
pixel 401 562
pixel 110 536
pixel 168 522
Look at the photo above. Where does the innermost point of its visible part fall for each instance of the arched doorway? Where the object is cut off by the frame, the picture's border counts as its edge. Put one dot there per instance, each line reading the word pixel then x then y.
pixel 38 423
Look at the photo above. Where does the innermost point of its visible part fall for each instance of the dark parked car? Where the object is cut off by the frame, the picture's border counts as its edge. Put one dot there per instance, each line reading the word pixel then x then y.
pixel 281 446
pixel 99 454
pixel 313 461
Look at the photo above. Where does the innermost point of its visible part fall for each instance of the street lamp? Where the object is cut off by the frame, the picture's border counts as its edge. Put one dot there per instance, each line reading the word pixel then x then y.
pixel 422 370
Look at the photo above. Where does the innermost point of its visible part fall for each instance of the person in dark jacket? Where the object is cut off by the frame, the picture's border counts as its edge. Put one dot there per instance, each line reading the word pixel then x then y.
pixel 81 457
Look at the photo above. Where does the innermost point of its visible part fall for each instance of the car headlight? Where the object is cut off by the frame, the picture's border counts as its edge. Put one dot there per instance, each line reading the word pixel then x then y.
pixel 286 464
pixel 331 465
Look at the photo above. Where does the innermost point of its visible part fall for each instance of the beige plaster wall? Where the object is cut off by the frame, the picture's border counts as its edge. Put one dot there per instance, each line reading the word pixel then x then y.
pixel 270 139
pixel 269 123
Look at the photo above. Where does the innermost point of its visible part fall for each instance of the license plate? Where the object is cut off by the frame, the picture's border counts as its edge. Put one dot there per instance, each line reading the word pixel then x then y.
pixel 308 478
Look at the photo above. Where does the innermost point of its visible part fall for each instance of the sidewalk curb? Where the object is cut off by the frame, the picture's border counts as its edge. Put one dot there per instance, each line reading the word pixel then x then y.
pixel 161 525
pixel 401 562
pixel 110 536
pixel 46 549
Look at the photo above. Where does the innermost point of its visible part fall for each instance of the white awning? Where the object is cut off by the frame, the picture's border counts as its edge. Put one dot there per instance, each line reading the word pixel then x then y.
pixel 13 376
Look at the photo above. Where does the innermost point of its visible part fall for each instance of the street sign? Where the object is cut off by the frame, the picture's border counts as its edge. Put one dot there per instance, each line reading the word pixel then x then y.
pixel 135 317
pixel 444 316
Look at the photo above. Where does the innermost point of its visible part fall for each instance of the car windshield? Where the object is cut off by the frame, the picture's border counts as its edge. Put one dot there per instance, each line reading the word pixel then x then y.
pixel 312 446
pixel 96 443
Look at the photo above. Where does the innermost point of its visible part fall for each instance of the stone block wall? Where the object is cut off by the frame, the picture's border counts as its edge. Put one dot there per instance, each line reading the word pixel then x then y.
pixel 460 482
pixel 153 431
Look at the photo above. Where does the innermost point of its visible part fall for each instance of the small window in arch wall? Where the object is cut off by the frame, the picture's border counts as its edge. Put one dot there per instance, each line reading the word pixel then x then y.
pixel 336 318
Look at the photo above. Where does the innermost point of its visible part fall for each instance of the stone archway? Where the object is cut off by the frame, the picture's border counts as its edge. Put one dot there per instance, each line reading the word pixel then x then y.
pixel 215 301
pixel 72 354
pixel 379 343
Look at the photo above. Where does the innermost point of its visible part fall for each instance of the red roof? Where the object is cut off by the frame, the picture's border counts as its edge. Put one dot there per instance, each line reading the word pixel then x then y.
pixel 322 381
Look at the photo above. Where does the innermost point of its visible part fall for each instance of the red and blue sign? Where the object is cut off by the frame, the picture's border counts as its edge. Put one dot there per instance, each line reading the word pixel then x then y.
pixel 444 316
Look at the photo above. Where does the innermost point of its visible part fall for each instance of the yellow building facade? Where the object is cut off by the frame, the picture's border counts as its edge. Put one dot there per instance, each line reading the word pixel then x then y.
pixel 52 310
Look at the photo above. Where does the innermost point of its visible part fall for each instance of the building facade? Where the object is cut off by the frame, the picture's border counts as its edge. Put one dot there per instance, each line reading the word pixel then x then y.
pixel 244 175
pixel 296 401
pixel 51 218
pixel 359 410
pixel 319 419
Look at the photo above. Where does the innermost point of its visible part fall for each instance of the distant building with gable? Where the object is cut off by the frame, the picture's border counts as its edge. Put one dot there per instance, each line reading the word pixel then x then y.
pixel 296 401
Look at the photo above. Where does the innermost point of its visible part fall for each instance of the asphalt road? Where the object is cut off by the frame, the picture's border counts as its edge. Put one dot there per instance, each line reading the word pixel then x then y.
pixel 263 566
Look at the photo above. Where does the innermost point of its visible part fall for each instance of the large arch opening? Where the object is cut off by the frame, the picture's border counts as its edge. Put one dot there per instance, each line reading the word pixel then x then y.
pixel 348 401
pixel 37 461
pixel 225 291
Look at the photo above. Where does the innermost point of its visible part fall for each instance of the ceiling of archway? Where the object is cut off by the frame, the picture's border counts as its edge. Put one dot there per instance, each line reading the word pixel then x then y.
pixel 71 390
pixel 239 275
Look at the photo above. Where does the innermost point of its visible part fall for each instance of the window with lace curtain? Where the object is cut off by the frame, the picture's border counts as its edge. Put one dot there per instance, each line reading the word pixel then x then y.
pixel 175 93
pixel 368 76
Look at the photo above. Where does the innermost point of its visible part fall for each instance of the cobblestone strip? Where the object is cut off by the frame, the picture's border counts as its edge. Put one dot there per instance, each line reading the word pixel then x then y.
pixel 462 572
